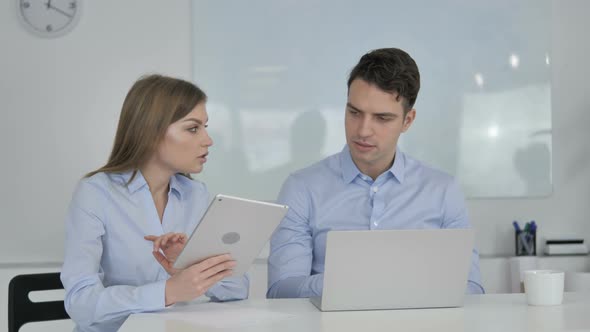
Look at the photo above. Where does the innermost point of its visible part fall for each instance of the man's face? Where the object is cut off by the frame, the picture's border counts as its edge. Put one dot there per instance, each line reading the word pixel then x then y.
pixel 373 123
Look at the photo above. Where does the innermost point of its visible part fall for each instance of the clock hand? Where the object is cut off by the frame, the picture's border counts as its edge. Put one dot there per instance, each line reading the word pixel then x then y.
pixel 48 4
pixel 59 10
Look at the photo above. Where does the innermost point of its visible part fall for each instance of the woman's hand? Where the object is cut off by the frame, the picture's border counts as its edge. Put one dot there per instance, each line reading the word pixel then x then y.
pixel 167 247
pixel 194 281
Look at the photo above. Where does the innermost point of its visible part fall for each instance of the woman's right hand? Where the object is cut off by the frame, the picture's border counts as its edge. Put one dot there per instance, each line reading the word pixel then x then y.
pixel 171 244
pixel 194 281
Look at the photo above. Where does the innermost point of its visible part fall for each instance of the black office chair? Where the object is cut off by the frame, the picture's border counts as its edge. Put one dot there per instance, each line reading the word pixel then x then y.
pixel 22 310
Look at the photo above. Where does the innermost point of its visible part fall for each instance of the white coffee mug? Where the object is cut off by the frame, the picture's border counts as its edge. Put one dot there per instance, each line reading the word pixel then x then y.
pixel 544 287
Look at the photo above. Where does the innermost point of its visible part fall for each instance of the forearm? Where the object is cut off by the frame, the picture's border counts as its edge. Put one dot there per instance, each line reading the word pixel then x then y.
pixel 295 287
pixel 89 302
pixel 473 287
pixel 229 289
pixel 474 283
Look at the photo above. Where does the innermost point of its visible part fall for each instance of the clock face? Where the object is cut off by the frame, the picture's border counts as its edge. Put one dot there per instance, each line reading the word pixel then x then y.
pixel 49 18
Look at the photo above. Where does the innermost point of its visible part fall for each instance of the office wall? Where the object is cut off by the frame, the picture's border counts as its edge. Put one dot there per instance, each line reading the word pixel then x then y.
pixel 566 211
pixel 60 101
pixel 61 98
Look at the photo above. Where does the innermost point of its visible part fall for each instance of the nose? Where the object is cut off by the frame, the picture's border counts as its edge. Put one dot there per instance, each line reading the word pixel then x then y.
pixel 364 128
pixel 208 141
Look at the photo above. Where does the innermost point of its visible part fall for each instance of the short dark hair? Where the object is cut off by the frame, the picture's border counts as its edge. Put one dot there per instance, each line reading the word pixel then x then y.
pixel 391 70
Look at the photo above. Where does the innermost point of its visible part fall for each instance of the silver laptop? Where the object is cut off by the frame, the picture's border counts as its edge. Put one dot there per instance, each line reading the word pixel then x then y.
pixel 395 269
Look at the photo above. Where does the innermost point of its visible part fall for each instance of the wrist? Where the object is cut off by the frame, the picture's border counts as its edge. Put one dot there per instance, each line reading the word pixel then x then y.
pixel 168 297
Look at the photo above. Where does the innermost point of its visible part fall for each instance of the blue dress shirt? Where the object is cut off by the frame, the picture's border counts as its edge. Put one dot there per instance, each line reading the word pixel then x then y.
pixel 109 271
pixel 334 195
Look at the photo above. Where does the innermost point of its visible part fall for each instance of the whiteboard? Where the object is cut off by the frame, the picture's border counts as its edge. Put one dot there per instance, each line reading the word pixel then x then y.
pixel 276 72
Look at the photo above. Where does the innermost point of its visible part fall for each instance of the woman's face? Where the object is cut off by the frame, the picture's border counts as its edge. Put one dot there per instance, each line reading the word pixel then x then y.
pixel 185 146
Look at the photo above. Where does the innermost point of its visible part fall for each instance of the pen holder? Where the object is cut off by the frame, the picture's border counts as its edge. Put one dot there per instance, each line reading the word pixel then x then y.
pixel 525 244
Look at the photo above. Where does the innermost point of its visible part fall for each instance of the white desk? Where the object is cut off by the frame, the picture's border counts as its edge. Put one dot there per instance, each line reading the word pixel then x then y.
pixel 498 312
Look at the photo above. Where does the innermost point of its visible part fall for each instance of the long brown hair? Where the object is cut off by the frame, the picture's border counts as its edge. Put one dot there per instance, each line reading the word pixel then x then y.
pixel 153 103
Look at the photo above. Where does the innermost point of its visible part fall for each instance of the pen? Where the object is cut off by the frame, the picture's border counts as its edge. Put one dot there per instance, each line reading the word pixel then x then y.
pixel 533 229
pixel 516 227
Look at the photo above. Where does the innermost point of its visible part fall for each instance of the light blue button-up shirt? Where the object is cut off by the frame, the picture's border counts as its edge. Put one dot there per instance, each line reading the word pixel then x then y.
pixel 109 271
pixel 334 195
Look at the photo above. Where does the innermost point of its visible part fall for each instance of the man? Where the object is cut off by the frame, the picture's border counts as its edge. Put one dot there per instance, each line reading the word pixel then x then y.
pixel 370 184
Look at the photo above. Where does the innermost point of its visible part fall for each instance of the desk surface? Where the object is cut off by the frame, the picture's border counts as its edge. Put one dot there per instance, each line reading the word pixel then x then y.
pixel 495 312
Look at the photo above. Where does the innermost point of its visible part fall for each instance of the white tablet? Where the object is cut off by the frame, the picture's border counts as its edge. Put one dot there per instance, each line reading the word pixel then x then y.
pixel 238 226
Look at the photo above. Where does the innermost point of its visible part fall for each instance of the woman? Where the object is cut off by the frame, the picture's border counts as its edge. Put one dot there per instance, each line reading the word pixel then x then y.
pixel 143 198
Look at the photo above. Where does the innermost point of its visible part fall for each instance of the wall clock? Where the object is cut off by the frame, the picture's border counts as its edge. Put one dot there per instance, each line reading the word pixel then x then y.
pixel 49 18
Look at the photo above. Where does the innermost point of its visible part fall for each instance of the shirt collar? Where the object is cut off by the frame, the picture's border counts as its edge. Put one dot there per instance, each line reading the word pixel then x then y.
pixel 139 182
pixel 399 166
pixel 176 185
pixel 350 171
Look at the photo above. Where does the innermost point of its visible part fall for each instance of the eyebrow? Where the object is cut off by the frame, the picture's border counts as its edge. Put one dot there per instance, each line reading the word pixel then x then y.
pixel 195 120
pixel 387 114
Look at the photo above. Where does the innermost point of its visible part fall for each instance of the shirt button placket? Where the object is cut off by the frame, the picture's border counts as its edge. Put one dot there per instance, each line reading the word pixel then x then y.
pixel 374 213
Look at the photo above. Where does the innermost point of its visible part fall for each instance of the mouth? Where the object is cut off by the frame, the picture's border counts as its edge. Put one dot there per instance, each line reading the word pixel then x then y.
pixel 203 157
pixel 363 146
